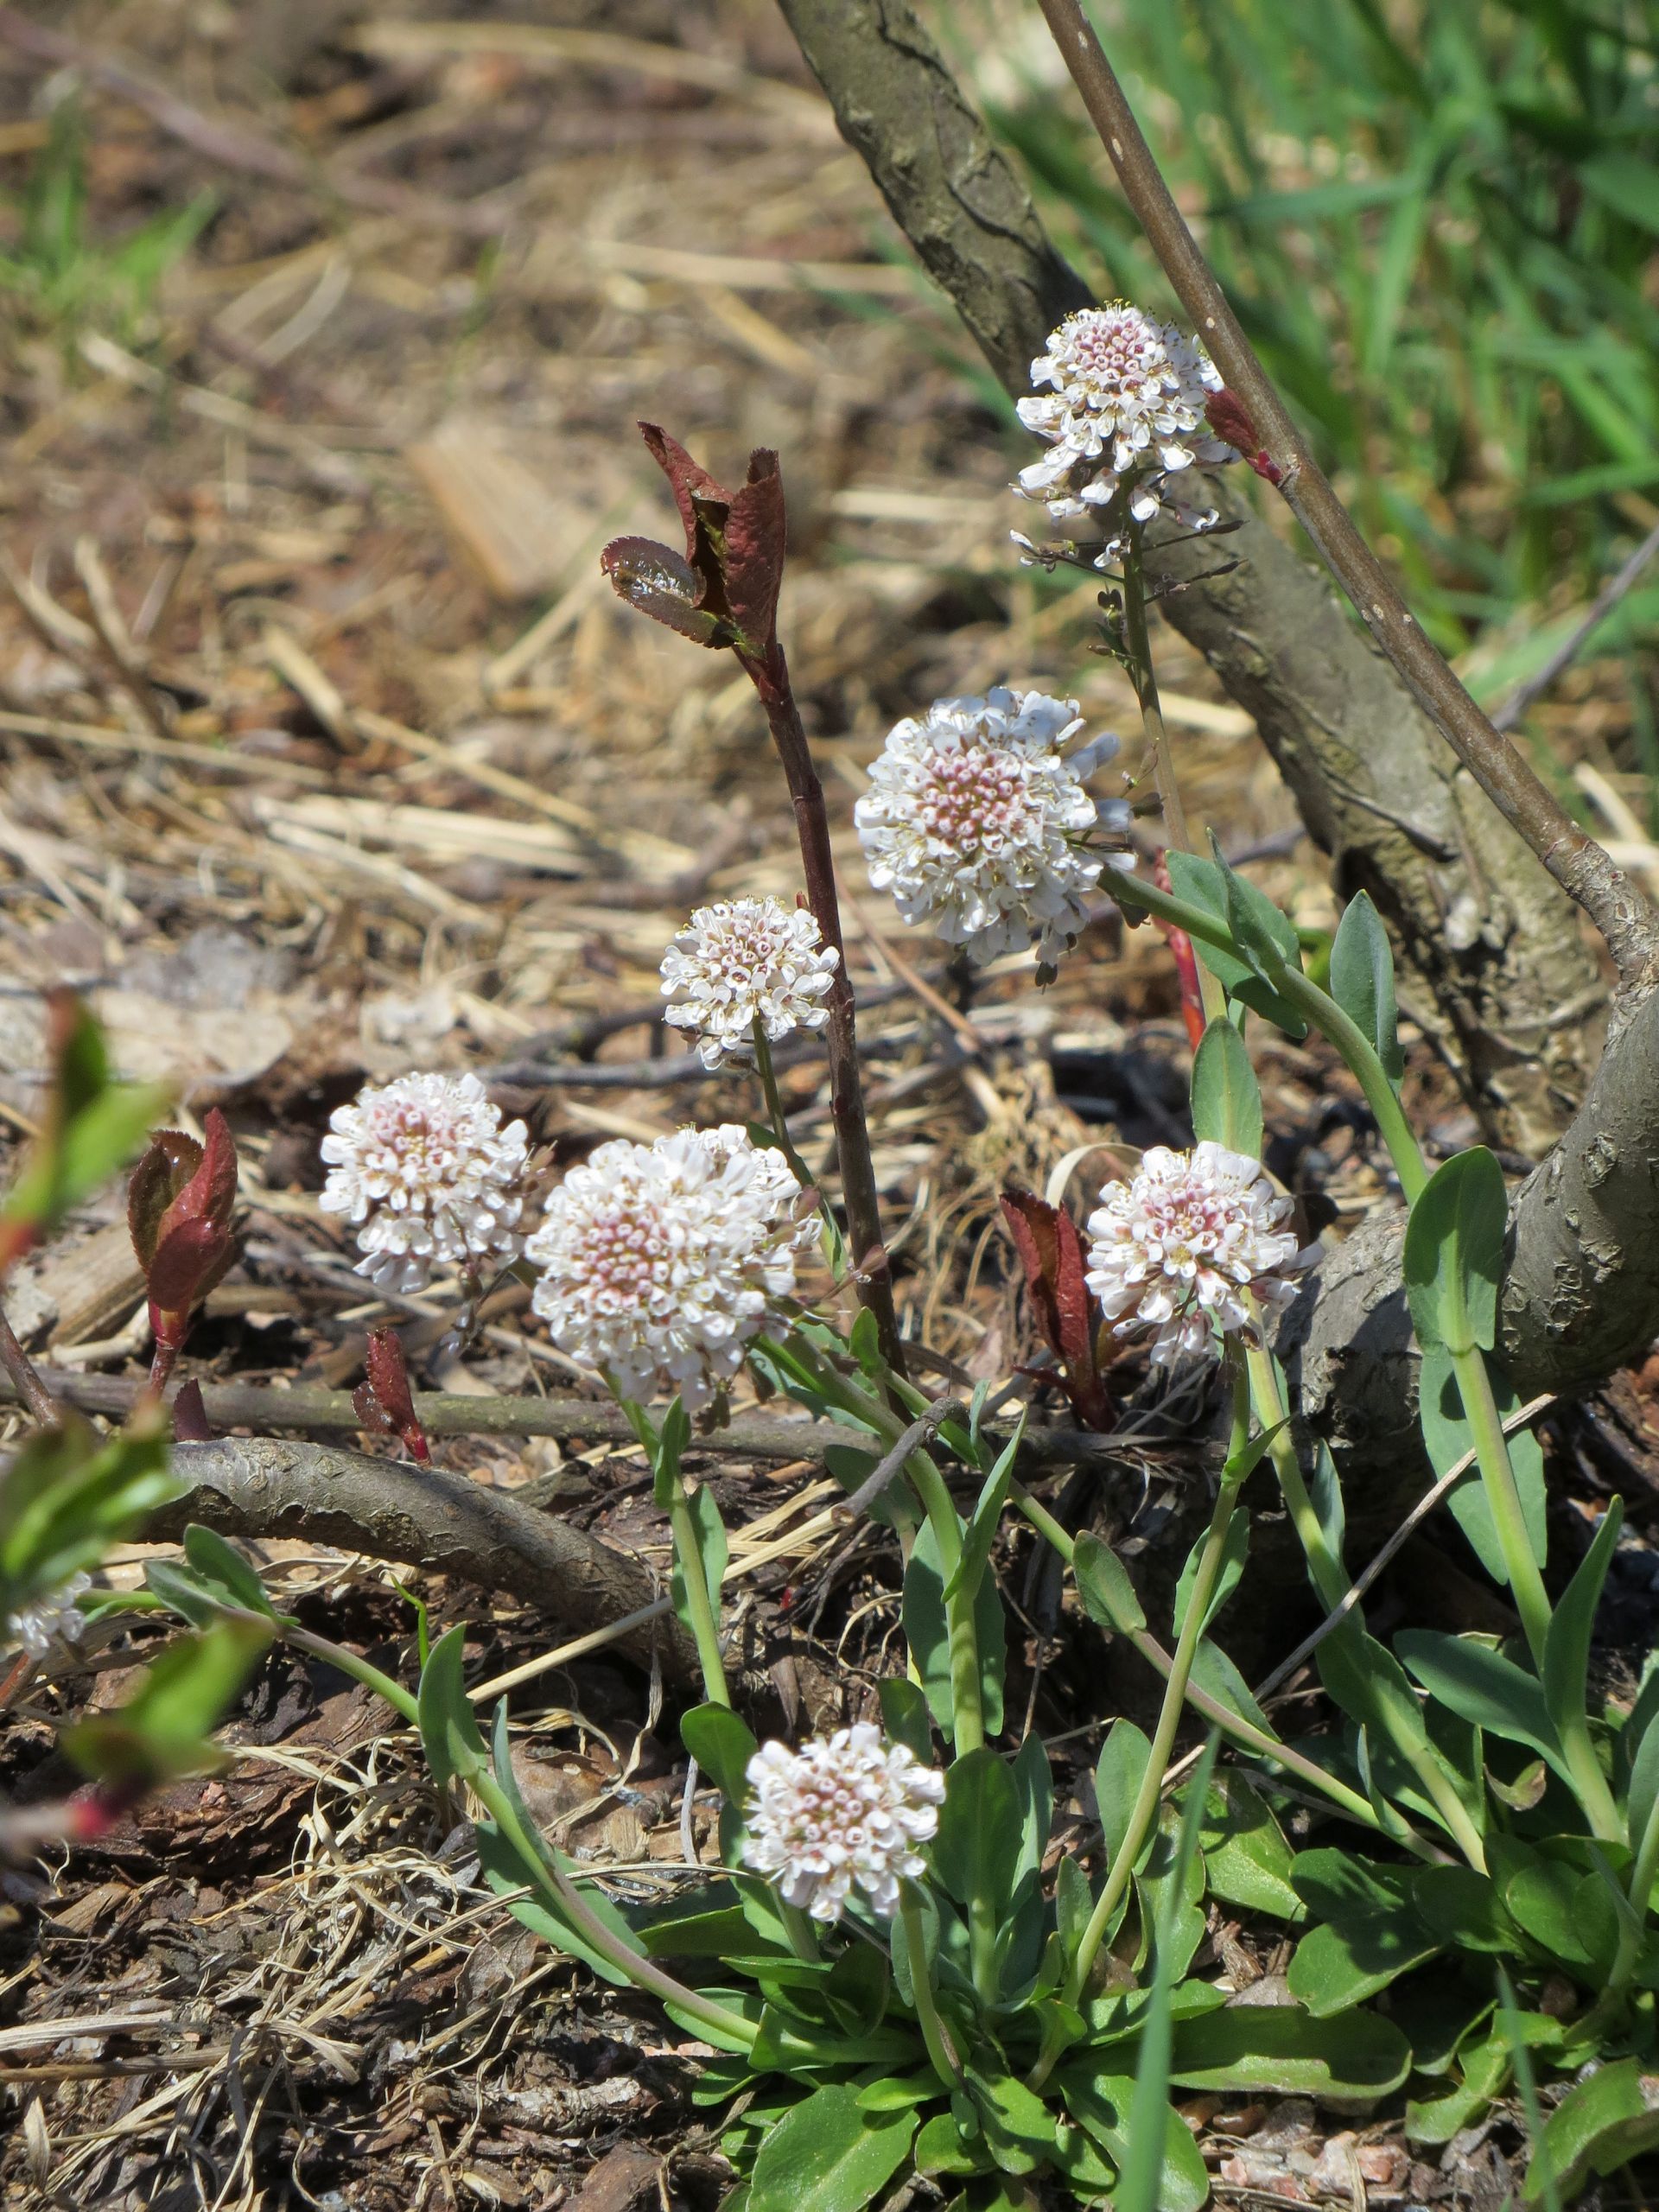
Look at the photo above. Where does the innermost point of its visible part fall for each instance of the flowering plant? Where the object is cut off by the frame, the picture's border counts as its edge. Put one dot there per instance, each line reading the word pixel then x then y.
pixel 900 1967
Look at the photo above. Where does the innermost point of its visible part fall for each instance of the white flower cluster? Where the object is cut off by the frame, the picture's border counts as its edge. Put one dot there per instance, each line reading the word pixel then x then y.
pixel 661 1262
pixel 972 819
pixel 54 1619
pixel 1175 1248
pixel 1126 407
pixel 426 1174
pixel 845 1811
pixel 744 961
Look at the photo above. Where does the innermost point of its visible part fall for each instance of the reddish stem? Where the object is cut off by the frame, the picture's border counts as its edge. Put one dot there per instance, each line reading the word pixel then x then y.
pixel 769 673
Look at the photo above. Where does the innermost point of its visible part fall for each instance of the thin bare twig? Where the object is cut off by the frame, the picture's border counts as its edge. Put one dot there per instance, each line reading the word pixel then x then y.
pixel 769 673
pixel 1567 652
pixel 24 1378
pixel 597 1420
pixel 1580 866
pixel 919 1432
pixel 1522 1418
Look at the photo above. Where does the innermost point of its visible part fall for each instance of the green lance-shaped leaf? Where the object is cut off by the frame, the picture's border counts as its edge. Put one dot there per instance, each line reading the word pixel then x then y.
pixel 976 1850
pixel 507 1869
pixel 1162 1904
pixel 928 1634
pixel 1202 883
pixel 1643 1794
pixel 722 1746
pixel 1266 937
pixel 1365 1931
pixel 827 2154
pixel 904 1715
pixel 1235 1548
pixel 1104 1585
pixel 1566 1644
pixel 1226 1097
pixel 1362 981
pixel 449 1732
pixel 986 1517
pixel 1448 1437
pixel 1454 1254
pixel 68 1495
pixel 1118 1776
pixel 1246 1858
pixel 219 1567
pixel 91 1126
pixel 1285 2051
pixel 1034 1785
pixel 1482 1686
pixel 709 1535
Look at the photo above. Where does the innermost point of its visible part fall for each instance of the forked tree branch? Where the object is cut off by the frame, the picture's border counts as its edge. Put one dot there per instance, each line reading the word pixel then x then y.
pixel 1578 863
pixel 1484 927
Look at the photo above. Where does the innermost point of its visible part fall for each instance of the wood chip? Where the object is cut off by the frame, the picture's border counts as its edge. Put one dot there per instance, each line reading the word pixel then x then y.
pixel 493 507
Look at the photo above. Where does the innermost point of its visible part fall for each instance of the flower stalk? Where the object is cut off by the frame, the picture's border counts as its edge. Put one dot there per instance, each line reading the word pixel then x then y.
pixel 1144 1814
pixel 694 1580
pixel 1280 454
pixel 941 2058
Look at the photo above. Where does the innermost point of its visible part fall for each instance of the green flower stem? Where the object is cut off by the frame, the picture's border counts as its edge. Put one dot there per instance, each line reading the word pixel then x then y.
pixel 699 1606
pixel 402 1701
pixel 1368 1070
pixel 944 2059
pixel 1331 1583
pixel 1143 675
pixel 1144 1815
pixel 967 1697
pixel 1244 1733
pixel 768 1075
pixel 929 1485
pixel 1526 1582
pixel 1497 1477
pixel 1329 1576
pixel 1633 1927
pixel 1321 1008
pixel 643 1973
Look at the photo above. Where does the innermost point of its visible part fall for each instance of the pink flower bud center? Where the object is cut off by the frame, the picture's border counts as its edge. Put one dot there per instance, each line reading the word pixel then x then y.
pixel 974 798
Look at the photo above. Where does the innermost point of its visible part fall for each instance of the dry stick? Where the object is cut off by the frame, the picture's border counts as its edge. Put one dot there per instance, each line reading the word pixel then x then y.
pixel 769 673
pixel 25 1381
pixel 889 1470
pixel 258 1487
pixel 751 1436
pixel 1601 606
pixel 1580 866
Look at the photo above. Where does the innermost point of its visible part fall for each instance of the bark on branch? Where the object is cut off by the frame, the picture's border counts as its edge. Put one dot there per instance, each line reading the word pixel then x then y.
pixel 420 1516
pixel 1512 987
pixel 1579 864
pixel 1581 1295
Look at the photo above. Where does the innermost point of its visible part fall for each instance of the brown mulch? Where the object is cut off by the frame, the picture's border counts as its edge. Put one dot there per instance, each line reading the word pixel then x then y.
pixel 325 753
